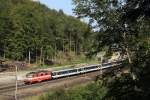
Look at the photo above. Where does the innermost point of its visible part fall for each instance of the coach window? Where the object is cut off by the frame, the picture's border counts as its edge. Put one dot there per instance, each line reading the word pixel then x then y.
pixel 54 73
pixel 41 74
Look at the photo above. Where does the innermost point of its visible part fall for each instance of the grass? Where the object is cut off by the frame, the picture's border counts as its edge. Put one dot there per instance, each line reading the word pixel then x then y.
pixel 68 63
pixel 53 92
pixel 94 90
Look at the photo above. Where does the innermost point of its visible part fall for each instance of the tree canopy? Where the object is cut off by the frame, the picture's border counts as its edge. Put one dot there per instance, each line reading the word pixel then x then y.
pixel 28 26
pixel 126 23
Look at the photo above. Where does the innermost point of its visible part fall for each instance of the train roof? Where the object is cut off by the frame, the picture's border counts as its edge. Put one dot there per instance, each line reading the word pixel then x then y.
pixel 65 69
pixel 40 71
pixel 75 68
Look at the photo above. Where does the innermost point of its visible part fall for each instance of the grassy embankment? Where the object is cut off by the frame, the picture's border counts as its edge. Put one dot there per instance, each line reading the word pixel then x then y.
pixel 90 91
pixel 67 62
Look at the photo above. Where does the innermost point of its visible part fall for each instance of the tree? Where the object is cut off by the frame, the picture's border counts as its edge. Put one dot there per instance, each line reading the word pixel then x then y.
pixel 30 28
pixel 125 22
pixel 135 9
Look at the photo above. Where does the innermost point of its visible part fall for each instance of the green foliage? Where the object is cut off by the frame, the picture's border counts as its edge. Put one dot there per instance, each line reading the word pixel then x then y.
pixel 122 88
pixel 92 91
pixel 136 9
pixel 105 16
pixel 30 26
pixel 125 22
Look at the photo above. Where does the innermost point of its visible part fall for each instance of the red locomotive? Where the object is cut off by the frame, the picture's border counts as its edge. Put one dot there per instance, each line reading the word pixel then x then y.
pixel 38 76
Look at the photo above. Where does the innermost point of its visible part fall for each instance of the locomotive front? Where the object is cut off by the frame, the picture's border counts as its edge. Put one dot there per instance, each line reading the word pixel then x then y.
pixel 38 76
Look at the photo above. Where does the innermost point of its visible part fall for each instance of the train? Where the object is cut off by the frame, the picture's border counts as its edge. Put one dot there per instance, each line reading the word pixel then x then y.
pixel 45 75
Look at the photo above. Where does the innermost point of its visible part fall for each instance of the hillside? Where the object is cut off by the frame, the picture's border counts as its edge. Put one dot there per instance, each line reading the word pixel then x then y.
pixel 31 31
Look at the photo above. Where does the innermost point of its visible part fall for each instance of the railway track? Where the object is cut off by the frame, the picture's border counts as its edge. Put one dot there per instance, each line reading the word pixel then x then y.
pixel 22 85
pixel 52 83
pixel 30 90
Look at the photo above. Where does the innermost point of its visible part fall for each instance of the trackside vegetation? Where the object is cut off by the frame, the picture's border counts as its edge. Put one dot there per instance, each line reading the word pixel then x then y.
pixel 32 32
pixel 91 91
pixel 127 24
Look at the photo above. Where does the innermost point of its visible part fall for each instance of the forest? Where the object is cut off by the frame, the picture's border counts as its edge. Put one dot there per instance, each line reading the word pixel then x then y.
pixel 126 23
pixel 31 30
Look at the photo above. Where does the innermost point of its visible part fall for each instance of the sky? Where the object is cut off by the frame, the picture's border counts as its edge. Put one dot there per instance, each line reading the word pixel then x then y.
pixel 65 5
